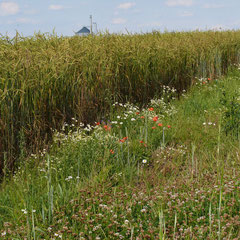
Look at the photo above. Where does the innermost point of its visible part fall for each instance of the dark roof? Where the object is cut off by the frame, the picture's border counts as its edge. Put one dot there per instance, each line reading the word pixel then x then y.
pixel 83 30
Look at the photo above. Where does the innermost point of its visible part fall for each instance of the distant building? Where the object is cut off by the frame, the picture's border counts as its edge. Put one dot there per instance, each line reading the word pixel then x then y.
pixel 83 32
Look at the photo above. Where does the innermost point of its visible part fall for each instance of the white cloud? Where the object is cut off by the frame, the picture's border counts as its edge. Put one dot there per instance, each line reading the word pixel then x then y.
pixel 56 7
pixel 8 8
pixel 186 14
pixel 213 5
pixel 119 21
pixel 126 5
pixel 173 3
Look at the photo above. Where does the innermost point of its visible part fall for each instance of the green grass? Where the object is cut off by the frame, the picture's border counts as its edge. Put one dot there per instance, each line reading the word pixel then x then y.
pixel 46 80
pixel 167 171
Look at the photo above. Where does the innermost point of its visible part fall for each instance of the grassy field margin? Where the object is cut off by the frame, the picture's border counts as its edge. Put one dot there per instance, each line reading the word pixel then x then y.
pixel 168 171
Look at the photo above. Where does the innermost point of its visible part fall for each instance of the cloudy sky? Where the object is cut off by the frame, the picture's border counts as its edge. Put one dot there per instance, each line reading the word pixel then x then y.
pixel 67 16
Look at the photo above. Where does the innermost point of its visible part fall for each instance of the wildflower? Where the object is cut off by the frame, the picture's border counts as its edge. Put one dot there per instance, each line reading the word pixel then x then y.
pixel 24 211
pixel 98 123
pixel 155 118
pixel 137 113
pixel 151 109
pixel 144 161
pixel 133 119
pixel 160 125
pixel 141 141
pixel 209 79
pixel 88 128
pixel 107 128
pixel 204 83
pixel 68 178
pixel 125 138
pixel 122 140
pixel 168 126
pixel 118 117
pixel 142 117
pixel 121 123
pixel 111 151
pixel 153 127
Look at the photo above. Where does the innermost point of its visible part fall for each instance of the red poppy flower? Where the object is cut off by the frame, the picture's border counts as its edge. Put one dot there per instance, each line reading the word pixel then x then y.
pixel 141 141
pixel 111 151
pixel 151 109
pixel 155 118
pixel 160 125
pixel 107 128
pixel 153 127
pixel 137 113
pixel 204 83
pixel 209 79
pixel 98 123
pixel 125 138
pixel 122 140
pixel 142 117
pixel 168 126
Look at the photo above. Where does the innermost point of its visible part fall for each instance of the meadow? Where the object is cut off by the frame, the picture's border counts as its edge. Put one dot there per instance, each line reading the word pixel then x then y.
pixel 167 171
pixel 46 80
pixel 157 158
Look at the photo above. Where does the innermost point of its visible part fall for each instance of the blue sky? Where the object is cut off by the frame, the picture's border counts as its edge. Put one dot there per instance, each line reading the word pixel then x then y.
pixel 67 16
